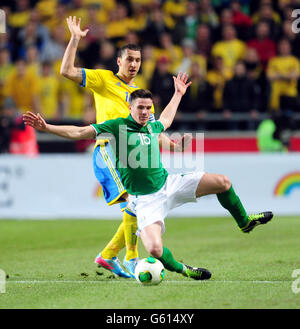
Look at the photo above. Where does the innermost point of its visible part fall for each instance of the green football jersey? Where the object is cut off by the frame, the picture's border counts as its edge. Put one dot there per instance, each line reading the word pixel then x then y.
pixel 137 153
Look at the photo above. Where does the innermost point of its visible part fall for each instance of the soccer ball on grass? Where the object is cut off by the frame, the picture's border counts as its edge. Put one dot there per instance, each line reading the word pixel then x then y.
pixel 149 271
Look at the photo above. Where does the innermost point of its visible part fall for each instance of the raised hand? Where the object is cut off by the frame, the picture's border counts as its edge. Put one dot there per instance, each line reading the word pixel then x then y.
pixel 35 121
pixel 180 83
pixel 74 27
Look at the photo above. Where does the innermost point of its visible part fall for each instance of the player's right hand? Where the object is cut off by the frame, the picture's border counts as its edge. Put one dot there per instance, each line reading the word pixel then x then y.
pixel 74 27
pixel 35 121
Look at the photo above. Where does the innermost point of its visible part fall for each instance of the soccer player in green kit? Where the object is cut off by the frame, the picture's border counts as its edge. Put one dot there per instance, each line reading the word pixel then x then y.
pixel 152 191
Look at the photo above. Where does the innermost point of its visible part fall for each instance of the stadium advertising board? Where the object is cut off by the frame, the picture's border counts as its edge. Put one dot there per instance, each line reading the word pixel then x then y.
pixel 64 186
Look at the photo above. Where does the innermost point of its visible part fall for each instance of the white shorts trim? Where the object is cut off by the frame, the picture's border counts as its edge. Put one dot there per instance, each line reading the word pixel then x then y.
pixel 177 190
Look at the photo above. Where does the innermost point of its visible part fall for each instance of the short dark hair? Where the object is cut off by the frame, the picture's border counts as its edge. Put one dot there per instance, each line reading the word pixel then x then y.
pixel 130 46
pixel 140 93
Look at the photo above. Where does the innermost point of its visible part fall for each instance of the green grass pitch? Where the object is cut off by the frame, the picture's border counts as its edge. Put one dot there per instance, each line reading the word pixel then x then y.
pixel 50 265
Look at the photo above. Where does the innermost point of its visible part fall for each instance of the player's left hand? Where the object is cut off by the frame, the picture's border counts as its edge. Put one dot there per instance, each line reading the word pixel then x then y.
pixel 180 83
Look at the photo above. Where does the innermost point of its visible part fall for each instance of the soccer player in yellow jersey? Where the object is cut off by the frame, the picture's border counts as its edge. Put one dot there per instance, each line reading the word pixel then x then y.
pixel 112 94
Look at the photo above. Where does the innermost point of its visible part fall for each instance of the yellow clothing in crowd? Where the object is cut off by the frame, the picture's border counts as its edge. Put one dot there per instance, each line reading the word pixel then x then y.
pixel 217 80
pixel 23 90
pixel 281 87
pixel 74 98
pixel 174 55
pixel 147 70
pixel 118 28
pixel 49 88
pixel 175 8
pixel 5 72
pixel 19 19
pixel 231 51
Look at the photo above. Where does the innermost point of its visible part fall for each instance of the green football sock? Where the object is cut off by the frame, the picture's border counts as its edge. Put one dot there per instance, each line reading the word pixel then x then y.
pixel 230 201
pixel 169 262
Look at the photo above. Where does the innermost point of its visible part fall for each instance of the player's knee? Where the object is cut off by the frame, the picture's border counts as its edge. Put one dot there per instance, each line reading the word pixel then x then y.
pixel 155 250
pixel 224 183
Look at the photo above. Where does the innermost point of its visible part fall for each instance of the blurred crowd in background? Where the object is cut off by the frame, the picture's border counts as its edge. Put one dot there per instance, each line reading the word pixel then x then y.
pixel 242 57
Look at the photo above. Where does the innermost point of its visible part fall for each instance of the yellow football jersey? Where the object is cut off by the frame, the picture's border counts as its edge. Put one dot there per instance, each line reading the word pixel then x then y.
pixel 280 87
pixel 111 94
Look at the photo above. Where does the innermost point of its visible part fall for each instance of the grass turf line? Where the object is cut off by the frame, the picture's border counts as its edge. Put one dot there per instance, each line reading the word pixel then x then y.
pixel 50 265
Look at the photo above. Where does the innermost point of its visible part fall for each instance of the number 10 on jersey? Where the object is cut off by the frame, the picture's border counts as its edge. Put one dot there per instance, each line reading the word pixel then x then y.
pixel 128 97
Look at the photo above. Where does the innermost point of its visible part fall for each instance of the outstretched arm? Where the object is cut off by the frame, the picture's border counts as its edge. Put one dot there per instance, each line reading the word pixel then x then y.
pixel 181 85
pixel 181 145
pixel 71 132
pixel 68 69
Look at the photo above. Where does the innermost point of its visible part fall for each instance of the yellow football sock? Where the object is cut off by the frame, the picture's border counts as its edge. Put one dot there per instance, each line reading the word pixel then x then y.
pixel 131 239
pixel 115 244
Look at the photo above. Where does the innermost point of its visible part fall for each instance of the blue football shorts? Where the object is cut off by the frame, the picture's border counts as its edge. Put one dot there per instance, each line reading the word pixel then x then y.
pixel 108 176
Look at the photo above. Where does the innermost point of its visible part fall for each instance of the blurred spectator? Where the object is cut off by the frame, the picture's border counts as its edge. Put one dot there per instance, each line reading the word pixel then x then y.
pixel 73 100
pixel 198 99
pixel 78 9
pixel 5 70
pixel 207 14
pixel 217 78
pixel 130 38
pixel 147 66
pixel 186 26
pixel 119 23
pixel 240 97
pixel 5 41
pixel 42 30
pixel 15 137
pixel 175 9
pixel 46 9
pixel 266 13
pixel 252 63
pixel 264 46
pixel 138 20
pixel 286 12
pixel 7 121
pixel 54 47
pixel 226 18
pixel 107 56
pixel 155 27
pixel 93 22
pixel 189 57
pixel 29 35
pixel 20 16
pixel 161 84
pixel 230 48
pixel 58 19
pixel 283 73
pixel 32 60
pixel 90 55
pixel 240 20
pixel 203 40
pixel 169 50
pixel 49 88
pixel 22 87
pixel 261 83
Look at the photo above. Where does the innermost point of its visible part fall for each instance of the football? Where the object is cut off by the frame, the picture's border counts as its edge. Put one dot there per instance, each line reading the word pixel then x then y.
pixel 149 271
